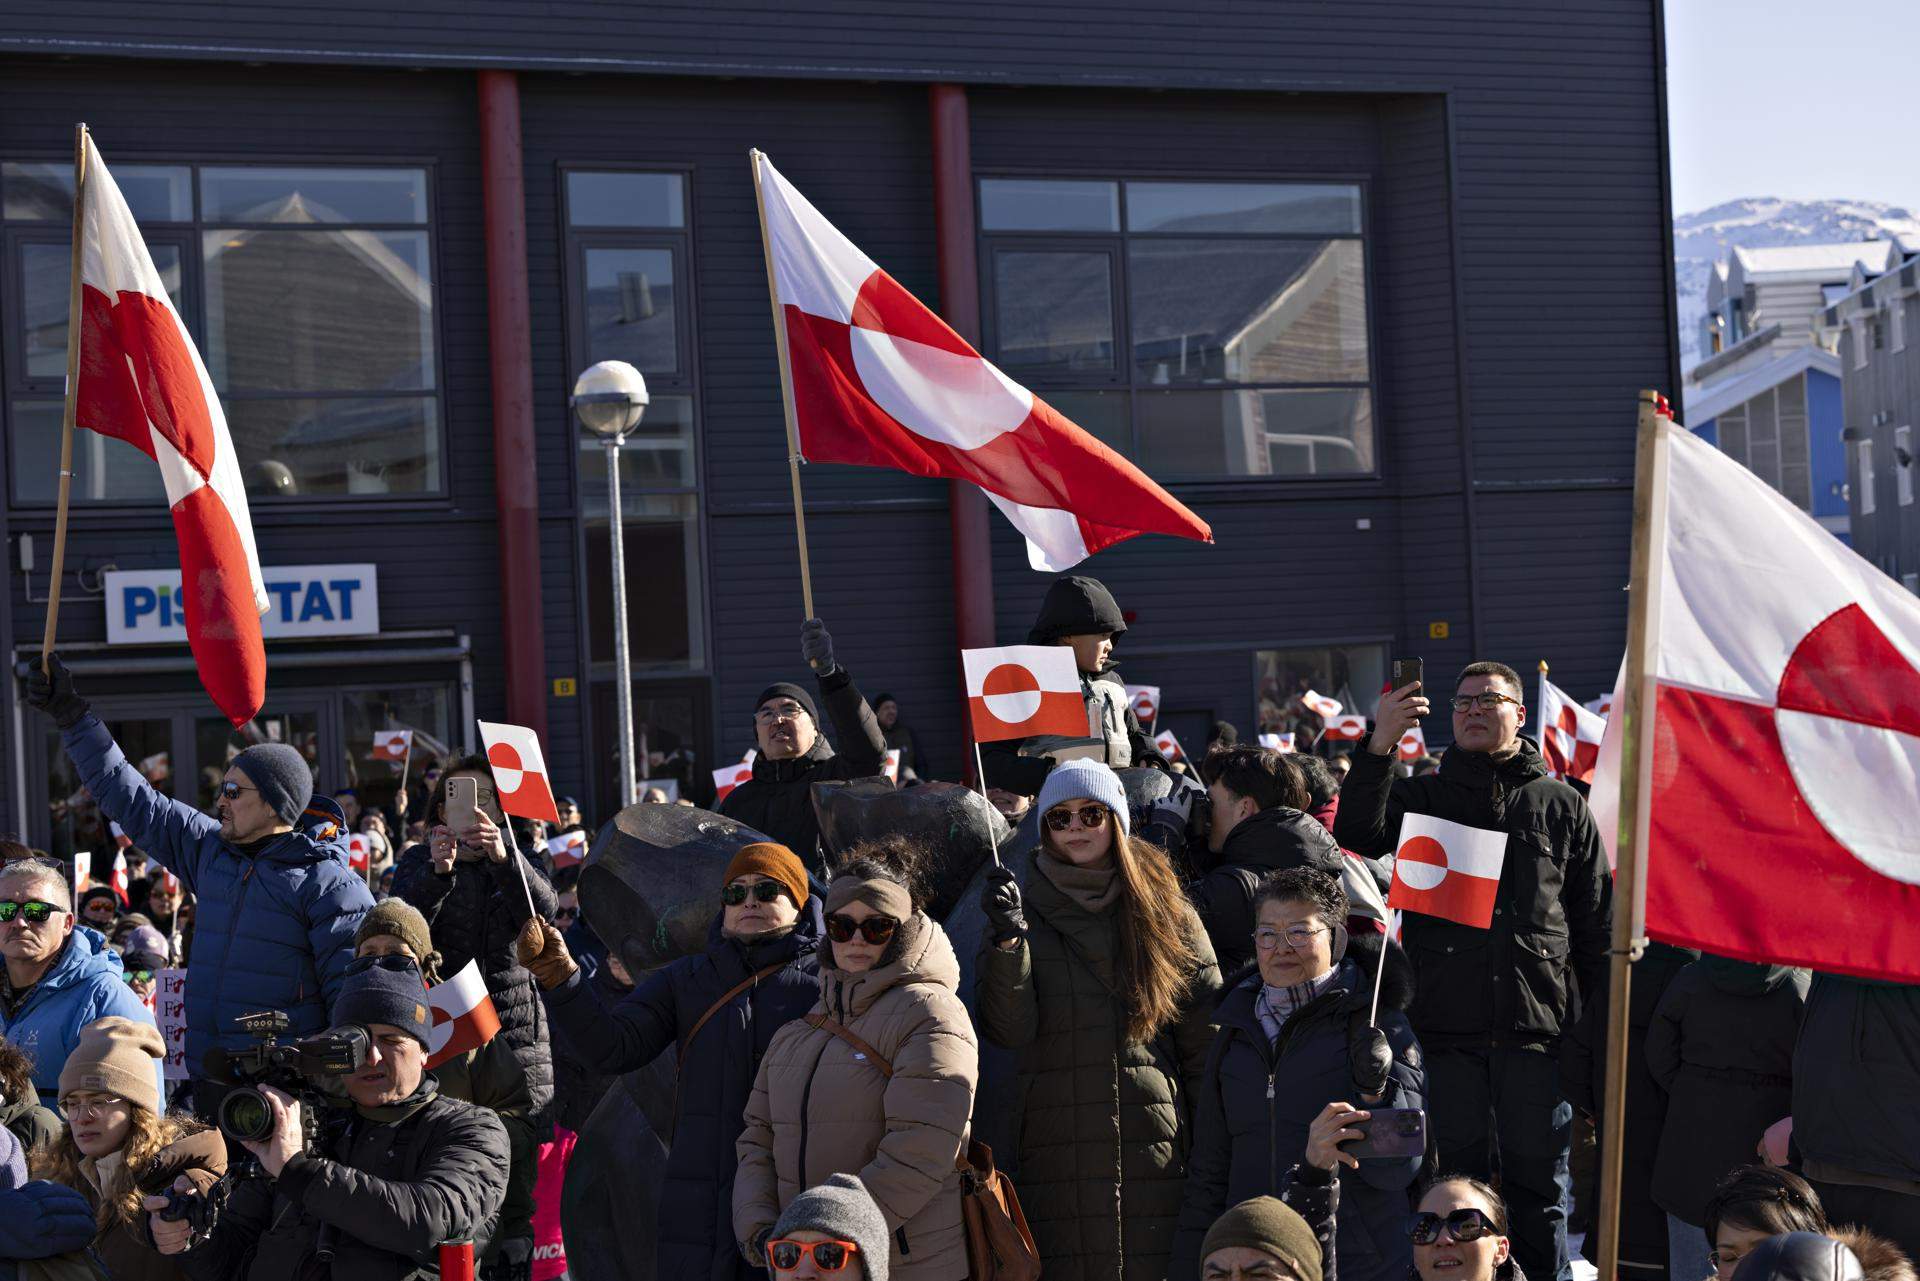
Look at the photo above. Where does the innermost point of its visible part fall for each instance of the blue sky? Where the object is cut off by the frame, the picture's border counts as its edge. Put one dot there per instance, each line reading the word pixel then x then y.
pixel 1802 99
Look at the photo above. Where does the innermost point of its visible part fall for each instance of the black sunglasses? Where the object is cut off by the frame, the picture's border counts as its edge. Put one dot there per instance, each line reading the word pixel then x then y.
pixel 875 929
pixel 391 961
pixel 1463 1225
pixel 763 892
pixel 232 790
pixel 35 911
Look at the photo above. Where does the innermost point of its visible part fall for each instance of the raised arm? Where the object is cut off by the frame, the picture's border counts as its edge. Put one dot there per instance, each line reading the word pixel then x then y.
pixel 630 1034
pixel 172 832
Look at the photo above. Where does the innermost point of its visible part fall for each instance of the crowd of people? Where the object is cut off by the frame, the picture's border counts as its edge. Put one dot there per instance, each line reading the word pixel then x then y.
pixel 1186 1024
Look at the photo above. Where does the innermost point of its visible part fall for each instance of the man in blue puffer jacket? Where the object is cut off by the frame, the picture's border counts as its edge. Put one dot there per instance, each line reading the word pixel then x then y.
pixel 277 907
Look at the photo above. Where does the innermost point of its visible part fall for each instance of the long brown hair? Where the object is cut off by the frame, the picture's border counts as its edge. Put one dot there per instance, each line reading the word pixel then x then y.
pixel 147 1134
pixel 1157 959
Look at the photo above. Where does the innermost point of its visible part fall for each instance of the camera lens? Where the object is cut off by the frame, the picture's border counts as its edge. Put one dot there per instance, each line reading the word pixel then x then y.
pixel 245 1115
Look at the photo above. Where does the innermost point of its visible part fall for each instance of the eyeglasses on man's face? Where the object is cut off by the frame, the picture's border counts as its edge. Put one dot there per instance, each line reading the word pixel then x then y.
pixel 773 712
pixel 1487 700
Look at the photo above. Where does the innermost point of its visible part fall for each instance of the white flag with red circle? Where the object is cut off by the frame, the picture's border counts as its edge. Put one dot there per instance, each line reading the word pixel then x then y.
pixel 359 852
pixel 1570 735
pixel 1413 744
pixel 728 777
pixel 463 1016
pixel 1016 691
pixel 890 764
pixel 1346 727
pixel 567 849
pixel 878 380
pixel 519 771
pixel 1328 708
pixel 1601 706
pixel 1277 742
pixel 1447 869
pixel 1145 701
pixel 1169 746
pixel 392 744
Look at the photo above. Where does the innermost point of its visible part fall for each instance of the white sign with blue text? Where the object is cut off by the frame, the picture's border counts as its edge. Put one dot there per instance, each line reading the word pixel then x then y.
pixel 144 608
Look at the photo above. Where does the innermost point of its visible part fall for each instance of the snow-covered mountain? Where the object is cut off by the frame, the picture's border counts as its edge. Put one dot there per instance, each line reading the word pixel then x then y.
pixel 1699 239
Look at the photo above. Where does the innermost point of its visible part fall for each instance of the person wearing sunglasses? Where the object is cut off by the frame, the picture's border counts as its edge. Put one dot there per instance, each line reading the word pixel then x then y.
pixel 718 1011
pixel 1458 1231
pixel 57 978
pixel 1100 979
pixel 276 902
pixel 1491 1006
pixel 831 1230
pixel 876 1080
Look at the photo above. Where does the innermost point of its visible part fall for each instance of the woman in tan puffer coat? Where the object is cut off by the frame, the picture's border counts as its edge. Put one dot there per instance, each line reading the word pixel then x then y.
pixel 821 1105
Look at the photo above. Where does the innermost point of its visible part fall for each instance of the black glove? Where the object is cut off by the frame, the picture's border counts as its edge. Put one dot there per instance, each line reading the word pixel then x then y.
pixel 1371 1059
pixel 54 694
pixel 1001 902
pixel 816 646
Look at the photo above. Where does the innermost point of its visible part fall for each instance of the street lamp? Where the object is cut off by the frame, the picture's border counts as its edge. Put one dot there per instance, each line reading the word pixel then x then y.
pixel 609 399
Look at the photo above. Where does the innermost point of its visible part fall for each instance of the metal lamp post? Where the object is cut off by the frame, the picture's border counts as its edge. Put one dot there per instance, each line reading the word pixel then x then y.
pixel 609 398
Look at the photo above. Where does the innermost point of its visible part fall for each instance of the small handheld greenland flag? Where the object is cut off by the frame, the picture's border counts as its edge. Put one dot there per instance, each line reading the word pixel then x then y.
pixel 1016 691
pixel 463 1016
pixel 1448 870
pixel 519 771
pixel 1145 700
pixel 392 744
pixel 1169 746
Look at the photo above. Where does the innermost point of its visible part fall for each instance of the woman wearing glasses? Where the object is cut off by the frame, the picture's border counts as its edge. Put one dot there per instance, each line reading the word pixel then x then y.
pixel 1459 1233
pixel 1102 981
pixel 875 1081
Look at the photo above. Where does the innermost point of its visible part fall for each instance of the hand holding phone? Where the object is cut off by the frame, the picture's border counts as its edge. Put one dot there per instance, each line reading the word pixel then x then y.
pixel 1397 1133
pixel 463 802
pixel 1408 671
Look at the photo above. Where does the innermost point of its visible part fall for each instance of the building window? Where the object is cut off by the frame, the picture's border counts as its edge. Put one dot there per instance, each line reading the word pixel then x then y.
pixel 1897 324
pixel 628 252
pixel 1903 465
pixel 1768 436
pixel 1353 674
pixel 310 293
pixel 1863 453
pixel 1860 340
pixel 1206 330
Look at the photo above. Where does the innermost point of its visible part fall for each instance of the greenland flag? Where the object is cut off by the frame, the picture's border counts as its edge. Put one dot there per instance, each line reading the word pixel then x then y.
pixel 880 381
pixel 1569 734
pixel 1785 678
pixel 890 764
pixel 1328 708
pixel 729 777
pixel 141 381
pixel 519 771
pixel 1413 744
pixel 392 744
pixel 1346 728
pixel 463 1016
pixel 1169 746
pixel 1447 869
pixel 1277 742
pixel 359 851
pixel 1145 701
pixel 567 849
pixel 1016 691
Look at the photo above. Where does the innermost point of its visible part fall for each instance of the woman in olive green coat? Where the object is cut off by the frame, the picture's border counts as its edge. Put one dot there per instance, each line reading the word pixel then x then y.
pixel 1102 981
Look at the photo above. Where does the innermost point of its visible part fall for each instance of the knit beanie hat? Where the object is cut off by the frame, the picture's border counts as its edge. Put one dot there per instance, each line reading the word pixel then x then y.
pixel 93 892
pixel 1083 780
pixel 1267 1225
pixel 117 1056
pixel 380 995
pixel 787 689
pixel 842 1207
pixel 145 947
pixel 282 775
pixel 403 921
pixel 773 861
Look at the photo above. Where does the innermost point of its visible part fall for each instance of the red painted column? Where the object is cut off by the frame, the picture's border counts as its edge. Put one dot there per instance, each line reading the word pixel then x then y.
pixel 510 343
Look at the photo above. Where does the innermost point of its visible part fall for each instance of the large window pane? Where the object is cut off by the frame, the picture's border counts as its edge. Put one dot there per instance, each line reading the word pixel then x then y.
pixel 661 551
pixel 1053 310
pixel 43 192
pixel 658 454
pixel 1103 414
pixel 1290 432
pixel 216 742
pixel 1041 204
pixel 270 194
pixel 1351 673
pixel 305 448
pixel 105 470
pixel 43 302
pixel 77 824
pixel 319 310
pixel 1243 207
pixel 1248 311
pixel 630 308
pixel 626 200
pixel 427 710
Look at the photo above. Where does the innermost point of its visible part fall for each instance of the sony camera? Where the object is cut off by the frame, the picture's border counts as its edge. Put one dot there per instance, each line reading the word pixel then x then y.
pixel 295 1067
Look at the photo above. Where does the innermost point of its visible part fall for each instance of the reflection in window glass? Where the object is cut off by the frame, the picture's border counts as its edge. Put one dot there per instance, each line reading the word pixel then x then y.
pixel 656 454
pixel 319 310
pixel 1275 208
pixel 630 308
pixel 1351 673
pixel 43 192
pixel 1248 311
pixel 77 824
pixel 1053 310
pixel 626 199
pixel 270 194
pixel 105 470
pixel 661 549
pixel 427 710
pixel 43 302
pixel 1041 204
pixel 216 742
pixel 336 446
pixel 1256 432
pixel 1102 414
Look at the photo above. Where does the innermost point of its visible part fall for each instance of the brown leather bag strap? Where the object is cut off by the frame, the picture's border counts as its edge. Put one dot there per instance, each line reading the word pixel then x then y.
pixel 846 1034
pixel 725 999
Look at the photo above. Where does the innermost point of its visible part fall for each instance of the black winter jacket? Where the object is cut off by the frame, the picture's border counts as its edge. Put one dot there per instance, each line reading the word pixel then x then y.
pixel 778 799
pixel 475 913
pixel 1856 1074
pixel 1252 1112
pixel 1266 842
pixel 435 1170
pixel 1721 1046
pixel 695 1237
pixel 1525 980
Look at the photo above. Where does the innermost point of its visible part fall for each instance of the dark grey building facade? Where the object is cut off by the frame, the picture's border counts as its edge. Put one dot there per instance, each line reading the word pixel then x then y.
pixel 1876 330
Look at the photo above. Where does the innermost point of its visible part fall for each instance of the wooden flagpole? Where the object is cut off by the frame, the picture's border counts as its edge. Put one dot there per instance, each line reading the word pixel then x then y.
pixel 73 394
pixel 757 158
pixel 1636 782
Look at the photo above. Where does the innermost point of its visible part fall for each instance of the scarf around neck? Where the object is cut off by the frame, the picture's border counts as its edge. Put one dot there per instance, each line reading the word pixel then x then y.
pixel 1275 1005
pixel 1092 889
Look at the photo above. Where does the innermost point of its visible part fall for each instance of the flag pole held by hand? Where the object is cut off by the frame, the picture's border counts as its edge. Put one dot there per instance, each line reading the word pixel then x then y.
pixel 1393 923
pixel 754 158
pixel 59 567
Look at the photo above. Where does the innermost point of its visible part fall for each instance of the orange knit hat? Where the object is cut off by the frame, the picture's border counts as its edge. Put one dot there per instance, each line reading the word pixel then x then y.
pixel 775 862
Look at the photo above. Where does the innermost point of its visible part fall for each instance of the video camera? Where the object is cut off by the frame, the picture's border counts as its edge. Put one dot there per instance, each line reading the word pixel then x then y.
pixel 245 1114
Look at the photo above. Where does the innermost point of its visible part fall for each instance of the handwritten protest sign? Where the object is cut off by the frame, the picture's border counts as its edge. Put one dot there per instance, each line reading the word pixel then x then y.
pixel 170 1011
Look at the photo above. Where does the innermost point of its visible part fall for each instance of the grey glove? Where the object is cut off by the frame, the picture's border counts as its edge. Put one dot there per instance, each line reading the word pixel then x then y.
pixel 52 692
pixel 816 645
pixel 1000 900
pixel 1175 808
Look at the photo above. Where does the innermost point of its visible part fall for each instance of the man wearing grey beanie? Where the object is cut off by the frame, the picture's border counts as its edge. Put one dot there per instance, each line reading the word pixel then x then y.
pixel 277 903
pixel 821 1221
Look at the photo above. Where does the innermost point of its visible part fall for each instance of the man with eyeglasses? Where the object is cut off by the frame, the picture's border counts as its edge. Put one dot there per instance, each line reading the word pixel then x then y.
pixel 58 979
pixel 1490 1005
pixel 794 754
pixel 277 903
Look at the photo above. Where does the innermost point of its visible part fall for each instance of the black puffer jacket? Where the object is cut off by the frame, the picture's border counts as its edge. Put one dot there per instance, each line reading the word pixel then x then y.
pixel 1267 842
pixel 1856 1074
pixel 1525 980
pixel 476 912
pixel 1721 1046
pixel 397 1184
pixel 778 799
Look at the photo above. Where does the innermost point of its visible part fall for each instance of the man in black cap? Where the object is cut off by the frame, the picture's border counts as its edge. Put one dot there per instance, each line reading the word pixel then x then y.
pixel 409 1170
pixel 277 902
pixel 795 754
